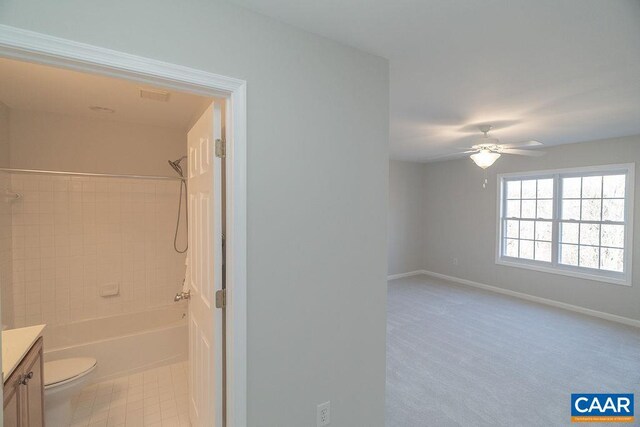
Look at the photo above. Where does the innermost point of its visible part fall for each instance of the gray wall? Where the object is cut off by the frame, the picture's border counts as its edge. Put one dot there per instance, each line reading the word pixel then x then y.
pixel 460 222
pixel 405 217
pixel 53 141
pixel 317 190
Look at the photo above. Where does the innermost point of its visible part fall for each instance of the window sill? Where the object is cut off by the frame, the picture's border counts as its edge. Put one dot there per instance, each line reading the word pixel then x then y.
pixel 626 281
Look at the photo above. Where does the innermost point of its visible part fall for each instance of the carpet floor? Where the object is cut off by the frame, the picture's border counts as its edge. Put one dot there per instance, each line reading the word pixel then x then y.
pixel 459 356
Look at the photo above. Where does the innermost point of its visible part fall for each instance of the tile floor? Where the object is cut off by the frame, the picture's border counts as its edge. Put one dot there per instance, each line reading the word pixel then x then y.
pixel 157 397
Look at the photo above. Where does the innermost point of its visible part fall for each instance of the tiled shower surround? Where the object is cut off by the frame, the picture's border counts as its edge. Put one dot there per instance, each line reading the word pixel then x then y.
pixel 75 238
pixel 6 261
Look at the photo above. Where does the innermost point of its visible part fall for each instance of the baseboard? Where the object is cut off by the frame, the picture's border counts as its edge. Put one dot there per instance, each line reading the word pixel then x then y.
pixel 408 274
pixel 565 306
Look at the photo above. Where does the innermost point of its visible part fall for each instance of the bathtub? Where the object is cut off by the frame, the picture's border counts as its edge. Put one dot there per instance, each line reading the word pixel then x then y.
pixel 123 344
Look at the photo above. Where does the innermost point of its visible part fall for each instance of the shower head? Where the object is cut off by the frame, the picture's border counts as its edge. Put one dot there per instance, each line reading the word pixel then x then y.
pixel 175 164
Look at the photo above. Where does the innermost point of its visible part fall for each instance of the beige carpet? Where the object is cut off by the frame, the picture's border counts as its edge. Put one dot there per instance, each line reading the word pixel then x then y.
pixel 459 356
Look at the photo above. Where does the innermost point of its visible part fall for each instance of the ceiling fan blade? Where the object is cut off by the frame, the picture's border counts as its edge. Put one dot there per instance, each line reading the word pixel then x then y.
pixel 522 144
pixel 532 153
pixel 445 156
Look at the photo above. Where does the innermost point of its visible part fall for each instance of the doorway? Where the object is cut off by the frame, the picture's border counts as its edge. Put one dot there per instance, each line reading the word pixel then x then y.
pixel 23 45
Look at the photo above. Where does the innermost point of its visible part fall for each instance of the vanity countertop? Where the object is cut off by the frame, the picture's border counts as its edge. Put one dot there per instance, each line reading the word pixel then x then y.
pixel 15 345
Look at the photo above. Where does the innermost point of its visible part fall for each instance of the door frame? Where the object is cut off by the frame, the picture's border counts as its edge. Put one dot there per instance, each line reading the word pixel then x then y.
pixel 16 43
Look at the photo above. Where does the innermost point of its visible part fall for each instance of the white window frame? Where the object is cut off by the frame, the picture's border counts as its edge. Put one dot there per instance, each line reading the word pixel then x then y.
pixel 554 266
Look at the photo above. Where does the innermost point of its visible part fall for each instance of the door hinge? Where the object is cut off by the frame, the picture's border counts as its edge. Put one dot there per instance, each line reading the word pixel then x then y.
pixel 221 298
pixel 221 148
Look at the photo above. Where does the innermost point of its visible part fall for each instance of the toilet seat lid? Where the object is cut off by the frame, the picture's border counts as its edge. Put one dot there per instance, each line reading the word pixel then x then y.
pixel 58 371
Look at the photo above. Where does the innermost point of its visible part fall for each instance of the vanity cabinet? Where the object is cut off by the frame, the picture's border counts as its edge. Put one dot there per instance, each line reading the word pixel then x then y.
pixel 24 391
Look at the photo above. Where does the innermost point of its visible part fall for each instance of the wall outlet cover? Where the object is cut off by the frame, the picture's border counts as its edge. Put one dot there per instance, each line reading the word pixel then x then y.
pixel 324 414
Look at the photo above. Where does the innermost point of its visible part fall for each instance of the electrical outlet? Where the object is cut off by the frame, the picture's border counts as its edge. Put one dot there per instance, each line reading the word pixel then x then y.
pixel 455 261
pixel 324 414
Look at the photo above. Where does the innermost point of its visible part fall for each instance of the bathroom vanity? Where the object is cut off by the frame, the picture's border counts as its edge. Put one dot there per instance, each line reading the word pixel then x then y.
pixel 22 370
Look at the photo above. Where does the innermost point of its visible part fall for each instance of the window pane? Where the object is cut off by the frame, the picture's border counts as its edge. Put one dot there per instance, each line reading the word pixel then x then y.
pixel 513 189
pixel 513 208
pixel 526 230
pixel 613 235
pixel 591 187
pixel 589 257
pixel 612 259
pixel 529 189
pixel 545 209
pixel 528 209
pixel 526 249
pixel 569 254
pixel 545 188
pixel 613 186
pixel 569 232
pixel 571 209
pixel 590 234
pixel 543 251
pixel 511 248
pixel 571 188
pixel 543 230
pixel 591 209
pixel 613 210
pixel 513 228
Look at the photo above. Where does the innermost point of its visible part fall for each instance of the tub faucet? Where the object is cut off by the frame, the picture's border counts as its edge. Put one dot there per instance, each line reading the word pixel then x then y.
pixel 182 296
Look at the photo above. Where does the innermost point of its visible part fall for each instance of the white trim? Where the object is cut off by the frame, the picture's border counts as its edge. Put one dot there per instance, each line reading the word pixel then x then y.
pixel 578 170
pixel 554 267
pixel 545 301
pixel 237 263
pixel 518 263
pixel 408 274
pixel 29 46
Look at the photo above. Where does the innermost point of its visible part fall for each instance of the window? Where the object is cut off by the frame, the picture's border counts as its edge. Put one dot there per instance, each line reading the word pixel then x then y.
pixel 574 221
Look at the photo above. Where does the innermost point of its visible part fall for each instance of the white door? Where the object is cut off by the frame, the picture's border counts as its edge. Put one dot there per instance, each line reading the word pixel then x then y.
pixel 205 271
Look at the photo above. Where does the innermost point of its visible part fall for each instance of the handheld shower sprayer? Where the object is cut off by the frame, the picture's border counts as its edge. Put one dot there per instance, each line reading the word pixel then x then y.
pixel 175 164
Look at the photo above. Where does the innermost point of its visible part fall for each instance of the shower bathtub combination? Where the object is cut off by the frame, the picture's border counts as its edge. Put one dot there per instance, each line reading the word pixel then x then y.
pixel 124 344
pixel 99 259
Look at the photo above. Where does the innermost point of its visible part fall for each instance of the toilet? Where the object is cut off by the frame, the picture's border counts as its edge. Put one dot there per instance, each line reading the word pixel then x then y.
pixel 62 379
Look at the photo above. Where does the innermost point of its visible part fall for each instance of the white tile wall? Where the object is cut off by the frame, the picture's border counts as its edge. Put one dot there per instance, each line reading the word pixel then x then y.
pixel 6 261
pixel 74 235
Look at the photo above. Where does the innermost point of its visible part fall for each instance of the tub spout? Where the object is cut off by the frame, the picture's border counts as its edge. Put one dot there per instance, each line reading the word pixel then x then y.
pixel 182 296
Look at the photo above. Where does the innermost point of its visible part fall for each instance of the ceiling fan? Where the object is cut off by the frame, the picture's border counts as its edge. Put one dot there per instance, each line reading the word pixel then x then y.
pixel 487 149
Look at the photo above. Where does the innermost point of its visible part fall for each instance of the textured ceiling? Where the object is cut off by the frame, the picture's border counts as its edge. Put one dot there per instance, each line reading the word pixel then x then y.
pixel 558 71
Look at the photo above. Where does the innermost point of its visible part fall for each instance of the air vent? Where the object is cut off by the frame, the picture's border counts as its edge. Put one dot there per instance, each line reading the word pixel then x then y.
pixel 154 94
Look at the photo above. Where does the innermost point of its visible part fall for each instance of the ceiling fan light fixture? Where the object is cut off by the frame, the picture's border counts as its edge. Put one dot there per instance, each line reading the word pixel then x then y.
pixel 485 158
